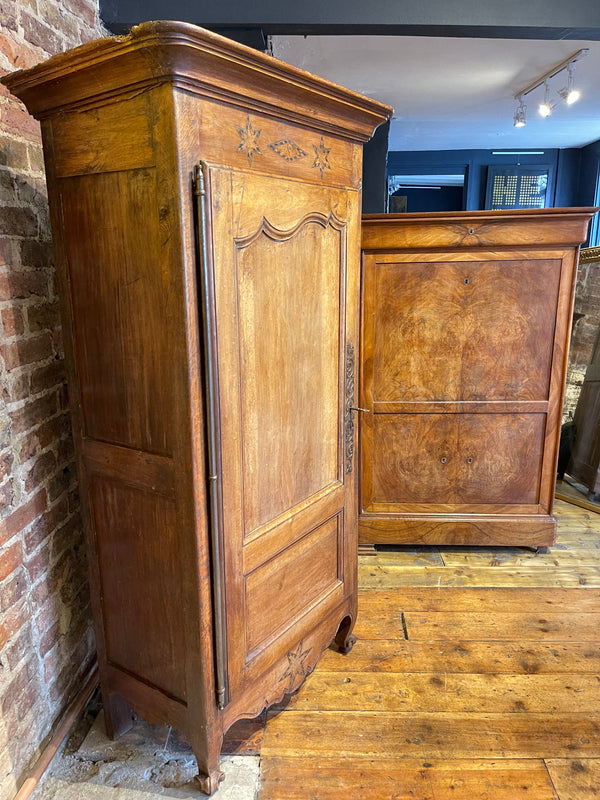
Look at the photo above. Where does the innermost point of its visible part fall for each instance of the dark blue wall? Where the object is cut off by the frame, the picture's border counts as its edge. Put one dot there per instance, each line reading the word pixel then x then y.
pixel 571 179
pixel 474 164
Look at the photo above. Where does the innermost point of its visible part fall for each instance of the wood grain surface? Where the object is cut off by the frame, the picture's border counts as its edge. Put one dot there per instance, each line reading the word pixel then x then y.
pixel 477 678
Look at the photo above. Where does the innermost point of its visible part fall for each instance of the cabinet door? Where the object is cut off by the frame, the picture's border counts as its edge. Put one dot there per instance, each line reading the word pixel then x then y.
pixel 285 310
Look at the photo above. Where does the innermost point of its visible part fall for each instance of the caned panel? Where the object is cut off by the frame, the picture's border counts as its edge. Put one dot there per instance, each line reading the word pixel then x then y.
pixel 140 577
pixel 279 591
pixel 289 340
pixel 472 330
pixel 119 296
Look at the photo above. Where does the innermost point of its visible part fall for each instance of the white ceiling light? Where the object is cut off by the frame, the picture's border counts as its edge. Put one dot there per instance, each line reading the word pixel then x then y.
pixel 569 94
pixel 546 107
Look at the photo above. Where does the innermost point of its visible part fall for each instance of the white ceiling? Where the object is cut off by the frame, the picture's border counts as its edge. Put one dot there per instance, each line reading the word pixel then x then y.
pixel 450 93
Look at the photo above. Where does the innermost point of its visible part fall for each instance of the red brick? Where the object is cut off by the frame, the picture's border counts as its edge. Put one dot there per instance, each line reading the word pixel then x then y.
pixel 8 186
pixel 83 10
pixel 6 462
pixel 34 413
pixel 35 157
pixel 12 621
pixel 12 321
pixel 64 480
pixel 42 436
pixel 47 616
pixel 8 15
pixel 13 153
pixel 7 252
pixel 37 565
pixel 22 284
pixel 46 525
pixel 23 516
pixel 35 253
pixel 18 120
pixel 48 376
pixel 12 558
pixel 16 386
pixel 49 639
pixel 44 317
pixel 40 34
pixel 19 647
pixel 12 589
pixel 18 221
pixel 27 351
pixel 7 494
pixel 44 466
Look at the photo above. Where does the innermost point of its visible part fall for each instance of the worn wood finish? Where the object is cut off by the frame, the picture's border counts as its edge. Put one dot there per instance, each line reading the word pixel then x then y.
pixel 205 210
pixel 392 779
pixel 465 333
pixel 575 779
pixel 480 699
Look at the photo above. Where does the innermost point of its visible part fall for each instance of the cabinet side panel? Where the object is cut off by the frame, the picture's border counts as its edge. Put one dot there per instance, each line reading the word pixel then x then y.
pixel 119 300
pixel 140 583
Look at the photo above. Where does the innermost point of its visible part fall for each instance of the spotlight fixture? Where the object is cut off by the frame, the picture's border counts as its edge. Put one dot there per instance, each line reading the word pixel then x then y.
pixel 569 93
pixel 546 107
pixel 520 119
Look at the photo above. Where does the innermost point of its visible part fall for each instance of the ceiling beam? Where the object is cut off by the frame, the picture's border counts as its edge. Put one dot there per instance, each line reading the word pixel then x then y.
pixel 507 19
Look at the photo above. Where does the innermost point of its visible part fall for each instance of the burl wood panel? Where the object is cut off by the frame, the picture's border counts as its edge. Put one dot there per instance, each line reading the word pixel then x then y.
pixel 457 458
pixel 472 330
pixel 465 331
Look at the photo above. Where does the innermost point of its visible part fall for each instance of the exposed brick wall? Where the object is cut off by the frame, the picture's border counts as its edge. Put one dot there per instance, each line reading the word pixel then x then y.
pixel 585 332
pixel 46 640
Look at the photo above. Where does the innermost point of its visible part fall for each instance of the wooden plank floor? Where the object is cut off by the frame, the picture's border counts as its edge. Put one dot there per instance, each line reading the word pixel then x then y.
pixel 476 674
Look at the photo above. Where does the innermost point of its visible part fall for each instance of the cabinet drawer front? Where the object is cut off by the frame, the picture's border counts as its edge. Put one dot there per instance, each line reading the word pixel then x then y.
pixel 456 458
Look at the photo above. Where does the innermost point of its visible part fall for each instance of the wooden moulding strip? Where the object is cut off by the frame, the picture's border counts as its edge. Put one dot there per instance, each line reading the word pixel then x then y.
pixel 58 737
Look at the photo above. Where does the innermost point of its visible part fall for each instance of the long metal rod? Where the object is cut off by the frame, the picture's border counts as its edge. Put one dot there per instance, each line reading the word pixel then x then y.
pixel 212 415
pixel 552 72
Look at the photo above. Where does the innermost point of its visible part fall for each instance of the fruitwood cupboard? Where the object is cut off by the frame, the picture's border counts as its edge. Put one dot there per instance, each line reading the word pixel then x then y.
pixel 217 479
pixel 466 320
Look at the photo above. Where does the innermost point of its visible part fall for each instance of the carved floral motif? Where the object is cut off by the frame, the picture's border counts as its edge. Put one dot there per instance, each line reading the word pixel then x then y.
pixel 249 140
pixel 297 667
pixel 321 161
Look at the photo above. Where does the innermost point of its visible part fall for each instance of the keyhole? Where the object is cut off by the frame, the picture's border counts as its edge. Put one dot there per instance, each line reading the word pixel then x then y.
pixel 467 280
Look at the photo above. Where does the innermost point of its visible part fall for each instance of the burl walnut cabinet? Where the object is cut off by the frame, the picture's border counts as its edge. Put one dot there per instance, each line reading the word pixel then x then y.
pixel 205 210
pixel 465 331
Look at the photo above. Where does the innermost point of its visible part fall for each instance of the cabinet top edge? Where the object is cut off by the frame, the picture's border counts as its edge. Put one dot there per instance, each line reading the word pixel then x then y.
pixel 160 52
pixel 518 227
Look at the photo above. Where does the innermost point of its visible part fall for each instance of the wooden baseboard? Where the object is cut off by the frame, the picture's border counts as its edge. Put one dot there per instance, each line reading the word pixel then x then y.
pixel 60 734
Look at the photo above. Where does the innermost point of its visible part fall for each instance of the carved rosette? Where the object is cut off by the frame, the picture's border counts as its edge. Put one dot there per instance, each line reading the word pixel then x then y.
pixel 249 140
pixel 321 161
pixel 349 421
pixel 297 668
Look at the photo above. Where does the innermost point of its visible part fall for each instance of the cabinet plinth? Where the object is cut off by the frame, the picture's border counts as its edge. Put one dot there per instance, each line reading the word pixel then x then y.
pixel 465 334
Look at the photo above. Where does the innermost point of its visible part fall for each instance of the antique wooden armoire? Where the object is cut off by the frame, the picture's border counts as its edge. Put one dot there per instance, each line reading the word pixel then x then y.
pixel 205 203
pixel 466 319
